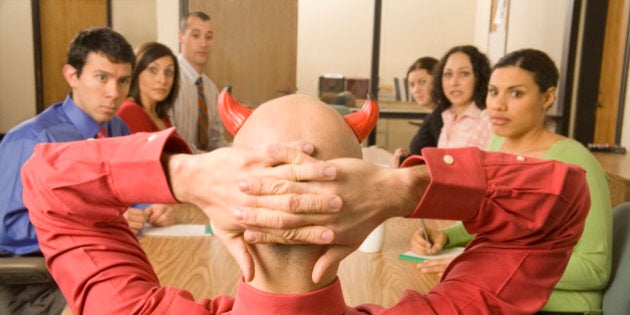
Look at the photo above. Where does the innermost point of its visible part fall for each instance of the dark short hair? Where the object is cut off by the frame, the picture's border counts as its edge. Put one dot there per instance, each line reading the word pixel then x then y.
pixel 535 61
pixel 101 40
pixel 423 63
pixel 481 71
pixel 184 20
pixel 147 53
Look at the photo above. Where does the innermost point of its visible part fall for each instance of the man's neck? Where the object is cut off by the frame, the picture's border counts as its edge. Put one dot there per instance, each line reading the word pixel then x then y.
pixel 199 68
pixel 287 269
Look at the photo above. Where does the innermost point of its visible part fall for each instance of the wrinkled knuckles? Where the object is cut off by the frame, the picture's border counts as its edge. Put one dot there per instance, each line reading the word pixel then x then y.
pixel 293 174
pixel 306 204
pixel 294 203
pixel 279 187
pixel 288 235
pixel 298 158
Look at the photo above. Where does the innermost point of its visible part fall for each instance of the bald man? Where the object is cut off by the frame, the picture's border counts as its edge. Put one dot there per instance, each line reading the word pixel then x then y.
pixel 279 268
pixel 101 268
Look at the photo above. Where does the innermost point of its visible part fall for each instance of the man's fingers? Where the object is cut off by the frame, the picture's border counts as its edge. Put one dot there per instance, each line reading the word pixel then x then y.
pixel 331 257
pixel 282 179
pixel 282 176
pixel 278 220
pixel 297 203
pixel 292 153
pixel 318 171
pixel 238 250
pixel 304 235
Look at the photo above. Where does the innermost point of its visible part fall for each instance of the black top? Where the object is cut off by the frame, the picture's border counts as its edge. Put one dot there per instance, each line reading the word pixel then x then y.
pixel 428 134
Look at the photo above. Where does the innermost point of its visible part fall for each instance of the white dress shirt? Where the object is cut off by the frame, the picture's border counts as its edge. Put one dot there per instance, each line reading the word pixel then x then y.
pixel 185 113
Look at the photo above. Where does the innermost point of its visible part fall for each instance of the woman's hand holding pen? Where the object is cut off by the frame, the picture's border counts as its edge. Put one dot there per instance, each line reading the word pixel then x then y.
pixel 422 246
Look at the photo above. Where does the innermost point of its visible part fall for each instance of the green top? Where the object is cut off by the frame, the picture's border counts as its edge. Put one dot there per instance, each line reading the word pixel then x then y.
pixel 581 286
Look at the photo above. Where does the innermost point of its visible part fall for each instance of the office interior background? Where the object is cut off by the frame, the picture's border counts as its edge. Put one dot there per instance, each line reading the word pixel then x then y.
pixel 266 49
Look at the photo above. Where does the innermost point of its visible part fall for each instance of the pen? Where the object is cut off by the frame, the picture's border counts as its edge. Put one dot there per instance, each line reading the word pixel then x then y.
pixel 424 230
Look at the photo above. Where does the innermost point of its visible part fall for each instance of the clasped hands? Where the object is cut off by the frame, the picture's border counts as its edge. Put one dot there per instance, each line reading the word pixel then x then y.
pixel 283 195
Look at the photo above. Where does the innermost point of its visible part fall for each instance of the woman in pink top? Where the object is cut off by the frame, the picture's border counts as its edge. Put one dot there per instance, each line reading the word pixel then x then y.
pixel 460 87
pixel 153 90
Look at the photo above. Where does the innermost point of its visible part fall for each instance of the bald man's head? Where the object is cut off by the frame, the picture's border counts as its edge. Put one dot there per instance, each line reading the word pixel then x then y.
pixel 299 118
pixel 287 268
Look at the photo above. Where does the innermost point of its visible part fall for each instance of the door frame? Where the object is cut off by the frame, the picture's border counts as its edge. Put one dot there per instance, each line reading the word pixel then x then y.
pixel 37 51
pixel 623 93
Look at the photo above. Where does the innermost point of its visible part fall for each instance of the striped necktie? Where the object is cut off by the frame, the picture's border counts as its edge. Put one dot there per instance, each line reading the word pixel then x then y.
pixel 202 126
pixel 102 133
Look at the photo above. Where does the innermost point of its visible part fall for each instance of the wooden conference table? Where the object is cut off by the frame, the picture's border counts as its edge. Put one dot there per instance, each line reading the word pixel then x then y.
pixel 203 266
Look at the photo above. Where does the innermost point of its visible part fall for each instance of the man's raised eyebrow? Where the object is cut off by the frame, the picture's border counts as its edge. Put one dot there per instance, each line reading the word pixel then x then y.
pixel 99 71
pixel 111 75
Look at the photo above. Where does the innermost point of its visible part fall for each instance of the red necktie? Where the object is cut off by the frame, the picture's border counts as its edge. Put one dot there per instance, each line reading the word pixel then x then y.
pixel 102 133
pixel 202 126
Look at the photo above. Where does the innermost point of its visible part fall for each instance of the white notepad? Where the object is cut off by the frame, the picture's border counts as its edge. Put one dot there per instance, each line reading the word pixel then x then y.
pixel 177 230
pixel 445 253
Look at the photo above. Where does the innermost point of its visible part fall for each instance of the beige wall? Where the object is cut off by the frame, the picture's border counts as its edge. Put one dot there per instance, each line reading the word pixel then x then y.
pixel 342 41
pixel 333 37
pixel 411 30
pixel 529 20
pixel 167 12
pixel 17 74
pixel 136 20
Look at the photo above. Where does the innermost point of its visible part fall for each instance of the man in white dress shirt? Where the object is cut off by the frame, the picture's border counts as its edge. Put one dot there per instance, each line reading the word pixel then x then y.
pixel 202 132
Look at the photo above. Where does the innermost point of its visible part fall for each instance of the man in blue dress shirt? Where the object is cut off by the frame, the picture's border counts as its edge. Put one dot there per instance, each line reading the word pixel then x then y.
pixel 98 69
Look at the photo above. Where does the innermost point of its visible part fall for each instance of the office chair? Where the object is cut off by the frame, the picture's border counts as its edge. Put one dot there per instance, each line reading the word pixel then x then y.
pixel 616 297
pixel 23 270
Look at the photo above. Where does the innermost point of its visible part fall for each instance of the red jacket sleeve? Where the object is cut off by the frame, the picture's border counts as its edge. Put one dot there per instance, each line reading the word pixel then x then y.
pixel 527 215
pixel 93 256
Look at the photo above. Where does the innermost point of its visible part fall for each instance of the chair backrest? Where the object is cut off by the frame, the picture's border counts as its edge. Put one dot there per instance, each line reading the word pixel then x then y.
pixel 616 296
pixel 23 270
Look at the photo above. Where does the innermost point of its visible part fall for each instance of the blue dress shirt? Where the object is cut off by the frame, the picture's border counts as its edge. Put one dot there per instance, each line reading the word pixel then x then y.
pixel 61 122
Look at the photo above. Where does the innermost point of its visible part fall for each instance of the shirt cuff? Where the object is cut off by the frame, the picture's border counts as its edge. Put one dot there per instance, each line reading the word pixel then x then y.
pixel 136 163
pixel 458 183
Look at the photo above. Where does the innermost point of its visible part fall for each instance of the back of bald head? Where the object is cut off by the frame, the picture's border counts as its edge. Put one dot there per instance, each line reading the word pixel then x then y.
pixel 299 118
pixel 282 268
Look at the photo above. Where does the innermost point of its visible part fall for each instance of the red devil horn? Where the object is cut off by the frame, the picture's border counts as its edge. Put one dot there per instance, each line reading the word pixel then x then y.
pixel 232 113
pixel 364 120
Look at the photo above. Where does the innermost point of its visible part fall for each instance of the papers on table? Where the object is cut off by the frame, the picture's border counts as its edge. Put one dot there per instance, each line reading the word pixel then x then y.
pixel 178 230
pixel 445 253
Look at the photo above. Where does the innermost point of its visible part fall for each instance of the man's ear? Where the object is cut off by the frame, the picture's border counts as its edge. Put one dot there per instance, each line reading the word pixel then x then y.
pixel 71 75
pixel 180 34
pixel 549 97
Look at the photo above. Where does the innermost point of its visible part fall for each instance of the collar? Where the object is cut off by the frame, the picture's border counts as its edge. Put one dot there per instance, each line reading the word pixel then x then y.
pixel 85 124
pixel 187 70
pixel 471 111
pixel 250 300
